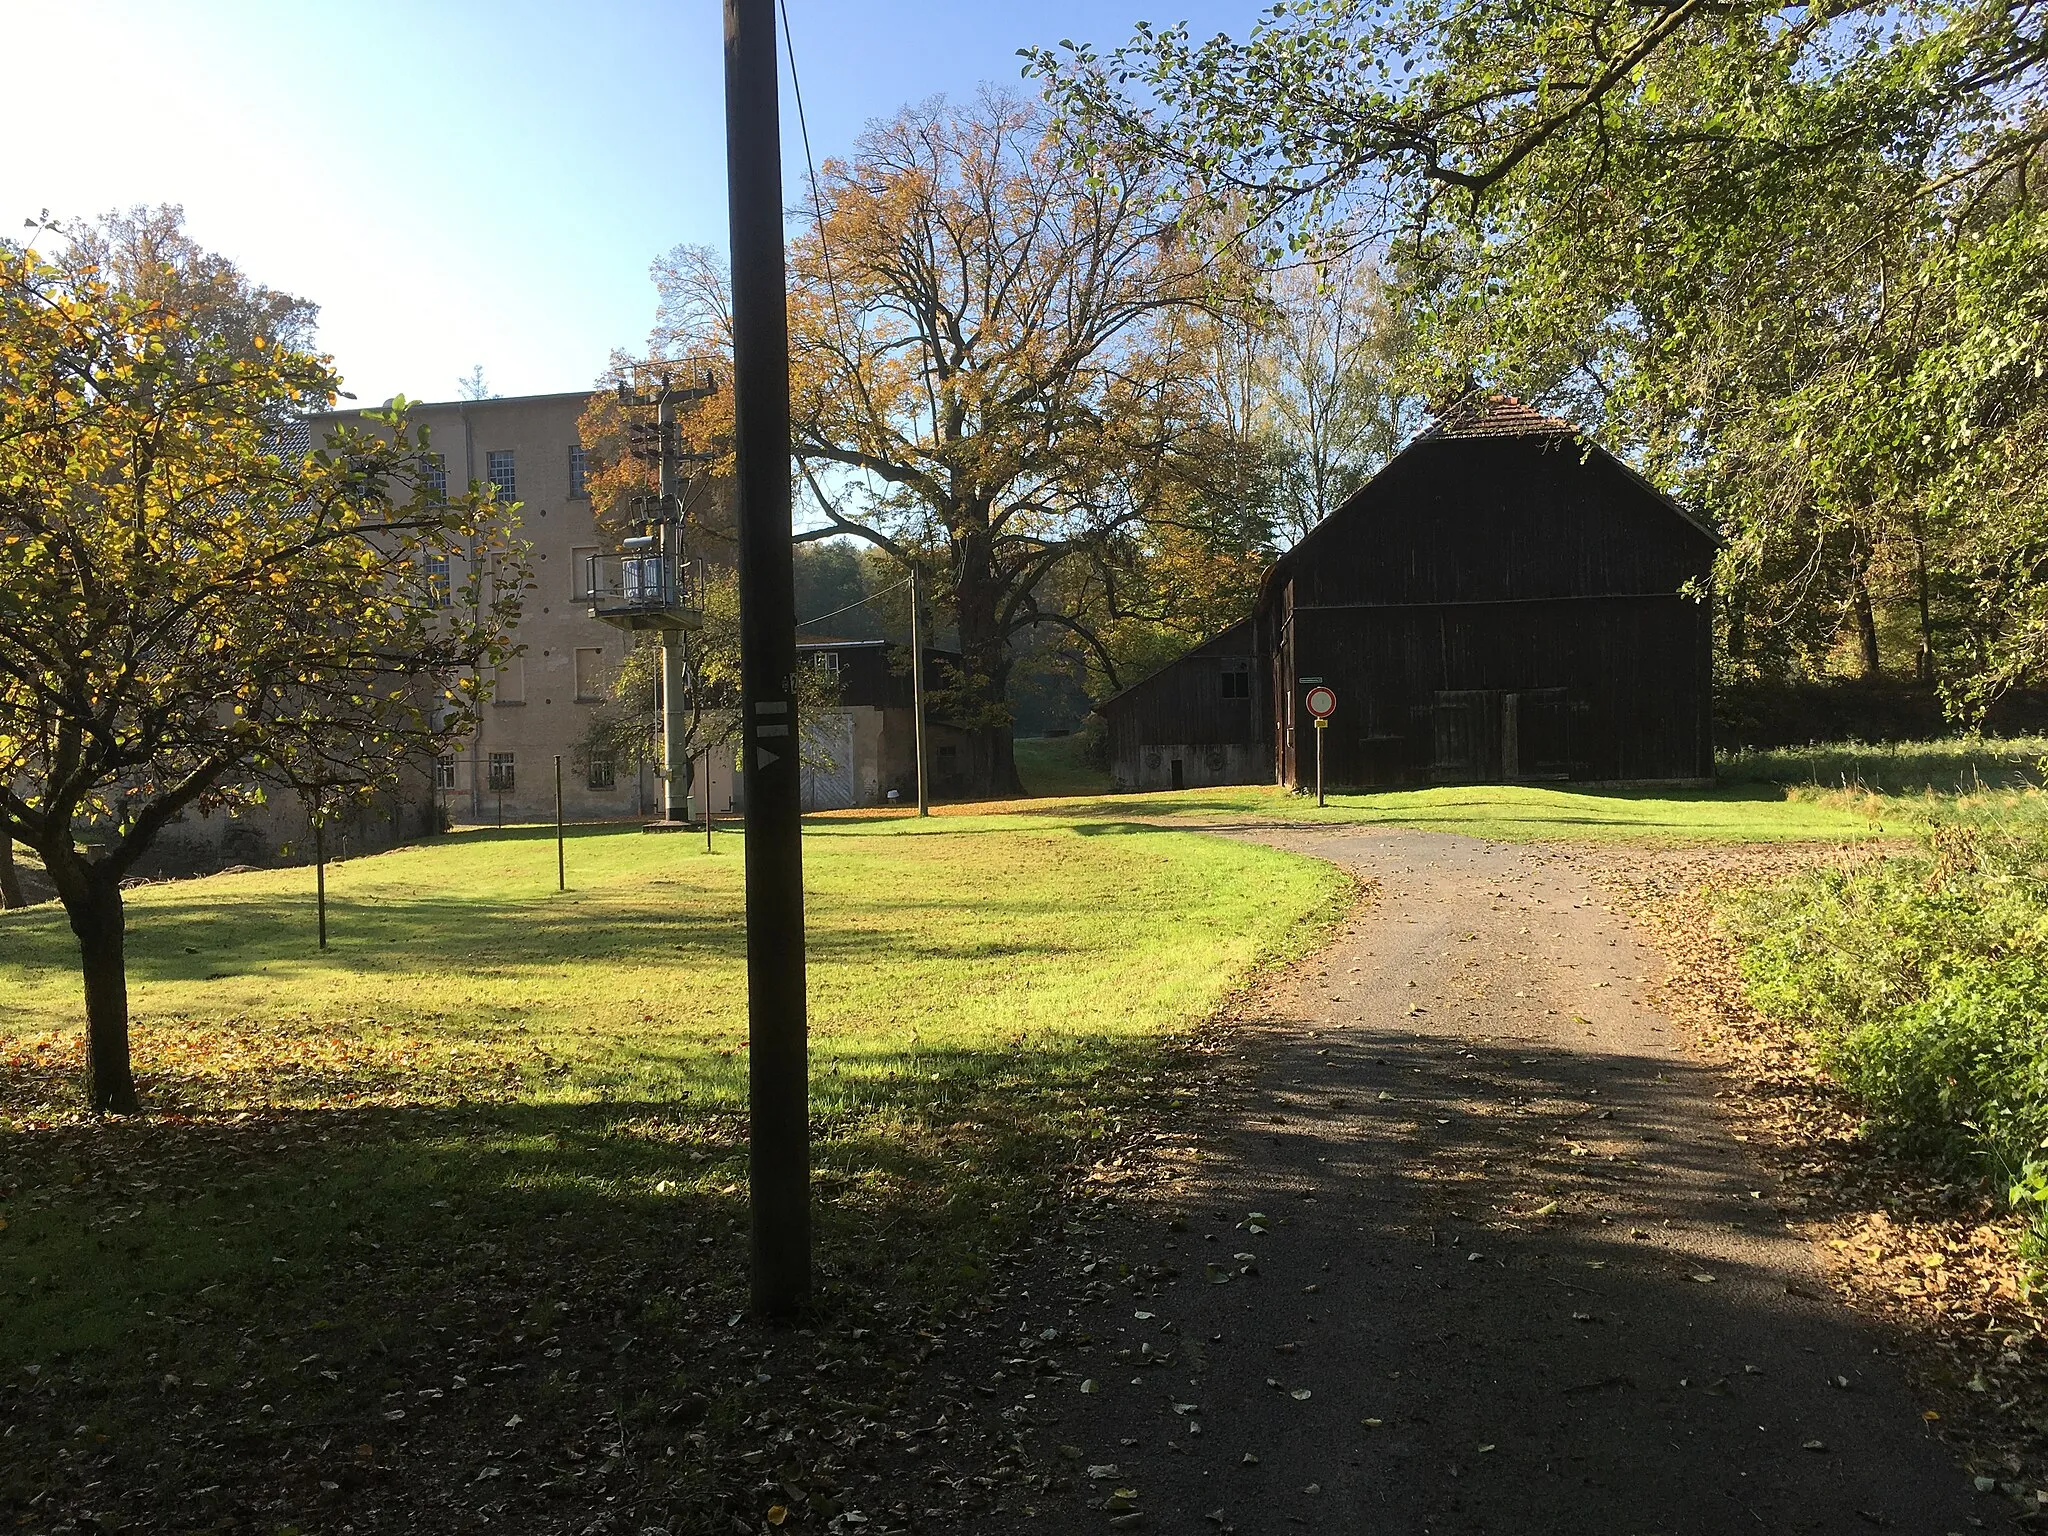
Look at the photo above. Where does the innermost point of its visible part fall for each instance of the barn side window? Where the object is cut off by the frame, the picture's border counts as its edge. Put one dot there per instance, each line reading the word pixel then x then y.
pixel 1237 677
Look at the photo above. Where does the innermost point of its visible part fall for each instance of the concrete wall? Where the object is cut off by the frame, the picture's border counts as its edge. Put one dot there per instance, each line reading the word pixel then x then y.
pixel 1201 767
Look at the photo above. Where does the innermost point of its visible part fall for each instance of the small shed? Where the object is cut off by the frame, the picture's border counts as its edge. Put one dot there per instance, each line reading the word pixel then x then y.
pixel 1194 723
pixel 1505 602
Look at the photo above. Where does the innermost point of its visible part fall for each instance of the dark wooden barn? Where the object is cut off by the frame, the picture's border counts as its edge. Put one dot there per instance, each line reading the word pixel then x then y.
pixel 1505 602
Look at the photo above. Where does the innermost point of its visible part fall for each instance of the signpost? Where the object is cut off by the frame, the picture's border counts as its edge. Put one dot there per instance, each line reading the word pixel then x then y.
pixel 1321 702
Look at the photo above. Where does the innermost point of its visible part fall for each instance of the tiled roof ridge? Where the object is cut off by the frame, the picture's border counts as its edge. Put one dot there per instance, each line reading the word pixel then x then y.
pixel 1489 413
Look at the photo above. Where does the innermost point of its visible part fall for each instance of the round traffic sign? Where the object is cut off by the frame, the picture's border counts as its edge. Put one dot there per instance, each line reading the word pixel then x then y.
pixel 1321 701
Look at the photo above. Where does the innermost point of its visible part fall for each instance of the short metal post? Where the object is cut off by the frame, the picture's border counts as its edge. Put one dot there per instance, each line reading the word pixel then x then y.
pixel 320 873
pixel 924 799
pixel 1321 726
pixel 707 800
pixel 561 857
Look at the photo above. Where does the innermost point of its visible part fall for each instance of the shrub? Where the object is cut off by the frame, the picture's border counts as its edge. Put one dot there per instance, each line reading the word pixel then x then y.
pixel 1925 981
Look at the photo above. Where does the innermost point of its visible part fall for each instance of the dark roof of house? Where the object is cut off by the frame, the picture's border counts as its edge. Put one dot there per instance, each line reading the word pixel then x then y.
pixel 1479 413
pixel 1231 640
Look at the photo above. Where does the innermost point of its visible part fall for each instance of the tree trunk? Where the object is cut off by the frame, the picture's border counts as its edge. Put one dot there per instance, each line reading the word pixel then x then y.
pixel 10 877
pixel 1866 631
pixel 1925 664
pixel 101 924
pixel 985 661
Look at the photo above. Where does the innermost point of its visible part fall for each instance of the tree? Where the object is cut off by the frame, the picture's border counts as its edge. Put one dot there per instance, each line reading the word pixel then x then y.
pixel 1772 253
pixel 997 372
pixel 11 893
pixel 195 599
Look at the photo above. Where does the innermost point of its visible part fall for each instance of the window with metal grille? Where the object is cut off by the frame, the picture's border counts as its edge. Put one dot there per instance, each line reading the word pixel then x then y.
pixel 579 470
pixel 444 772
pixel 602 775
pixel 1237 677
pixel 434 477
pixel 501 776
pixel 498 466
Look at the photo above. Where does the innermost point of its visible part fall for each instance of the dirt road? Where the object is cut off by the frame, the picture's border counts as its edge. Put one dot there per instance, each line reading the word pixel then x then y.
pixel 1478 1255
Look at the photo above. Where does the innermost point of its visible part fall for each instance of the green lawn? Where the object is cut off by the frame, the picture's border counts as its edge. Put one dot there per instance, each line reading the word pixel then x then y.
pixel 1054 765
pixel 477 1126
pixel 984 973
pixel 1744 812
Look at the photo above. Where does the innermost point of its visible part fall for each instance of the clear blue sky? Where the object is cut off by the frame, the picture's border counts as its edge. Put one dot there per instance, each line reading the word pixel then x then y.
pixel 458 182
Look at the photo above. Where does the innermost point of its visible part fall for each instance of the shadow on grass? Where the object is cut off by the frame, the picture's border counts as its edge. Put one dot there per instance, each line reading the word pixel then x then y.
pixel 236 1304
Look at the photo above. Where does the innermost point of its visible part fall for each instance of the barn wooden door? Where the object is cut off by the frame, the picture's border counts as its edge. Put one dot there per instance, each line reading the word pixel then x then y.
pixel 1467 729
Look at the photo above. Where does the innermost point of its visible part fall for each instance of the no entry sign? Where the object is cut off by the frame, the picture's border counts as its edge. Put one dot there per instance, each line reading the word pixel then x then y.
pixel 1321 701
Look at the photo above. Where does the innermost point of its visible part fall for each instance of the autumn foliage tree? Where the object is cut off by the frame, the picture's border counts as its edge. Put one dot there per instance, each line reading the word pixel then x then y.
pixel 196 600
pixel 998 372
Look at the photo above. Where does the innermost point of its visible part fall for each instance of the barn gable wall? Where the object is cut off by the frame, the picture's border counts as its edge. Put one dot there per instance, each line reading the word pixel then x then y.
pixel 1489 608
pixel 1498 519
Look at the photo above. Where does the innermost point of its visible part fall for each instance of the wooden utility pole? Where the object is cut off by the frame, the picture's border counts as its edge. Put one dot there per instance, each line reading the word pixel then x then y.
pixel 924 799
pixel 778 1087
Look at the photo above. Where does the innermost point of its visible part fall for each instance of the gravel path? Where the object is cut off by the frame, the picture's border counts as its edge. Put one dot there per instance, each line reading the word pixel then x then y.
pixel 1509 1271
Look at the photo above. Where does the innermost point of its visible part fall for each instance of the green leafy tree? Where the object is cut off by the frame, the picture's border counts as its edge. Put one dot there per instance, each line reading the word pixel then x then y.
pixel 998 371
pixel 1783 257
pixel 194 603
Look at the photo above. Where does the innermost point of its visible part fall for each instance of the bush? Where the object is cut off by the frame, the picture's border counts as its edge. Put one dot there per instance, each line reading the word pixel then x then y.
pixel 1925 980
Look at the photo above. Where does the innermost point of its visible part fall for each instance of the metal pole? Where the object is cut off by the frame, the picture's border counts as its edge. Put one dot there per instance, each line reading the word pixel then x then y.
pixel 778 1161
pixel 707 799
pixel 561 858
pixel 924 799
pixel 675 801
pixel 1321 726
pixel 320 872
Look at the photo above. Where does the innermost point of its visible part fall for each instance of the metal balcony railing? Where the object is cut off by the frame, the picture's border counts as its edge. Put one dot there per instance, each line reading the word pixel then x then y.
pixel 642 591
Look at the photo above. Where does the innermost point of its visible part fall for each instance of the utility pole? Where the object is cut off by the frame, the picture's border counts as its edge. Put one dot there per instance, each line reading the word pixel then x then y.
pixel 675 801
pixel 652 591
pixel 561 857
pixel 778 1088
pixel 924 799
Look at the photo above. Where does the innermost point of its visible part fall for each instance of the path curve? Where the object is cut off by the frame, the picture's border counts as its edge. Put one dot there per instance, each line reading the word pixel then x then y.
pixel 1516 1274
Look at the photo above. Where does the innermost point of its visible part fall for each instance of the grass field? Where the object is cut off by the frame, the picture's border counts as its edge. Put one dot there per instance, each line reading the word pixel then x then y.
pixel 497 1109
pixel 1754 812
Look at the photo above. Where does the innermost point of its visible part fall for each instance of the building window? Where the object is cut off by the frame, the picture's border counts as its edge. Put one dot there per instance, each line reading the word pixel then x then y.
pixel 581 570
pixel 511 684
pixel 589 673
pixel 501 775
pixel 434 477
pixel 827 662
pixel 444 771
pixel 601 775
pixel 579 470
pixel 438 591
pixel 498 463
pixel 1237 677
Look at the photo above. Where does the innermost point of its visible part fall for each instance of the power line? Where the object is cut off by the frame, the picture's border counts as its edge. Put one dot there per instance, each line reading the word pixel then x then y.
pixel 883 592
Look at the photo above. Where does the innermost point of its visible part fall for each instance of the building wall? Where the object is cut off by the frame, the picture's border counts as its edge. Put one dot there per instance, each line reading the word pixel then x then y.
pixel 1198 765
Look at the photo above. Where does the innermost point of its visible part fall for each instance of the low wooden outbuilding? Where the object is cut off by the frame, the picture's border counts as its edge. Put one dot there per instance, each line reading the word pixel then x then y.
pixel 1505 602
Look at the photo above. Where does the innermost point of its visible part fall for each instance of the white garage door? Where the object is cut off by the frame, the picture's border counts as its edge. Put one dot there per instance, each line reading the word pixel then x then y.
pixel 828 785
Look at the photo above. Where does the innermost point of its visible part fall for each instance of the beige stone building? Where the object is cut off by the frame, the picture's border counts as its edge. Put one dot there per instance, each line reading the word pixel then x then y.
pixel 542 700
